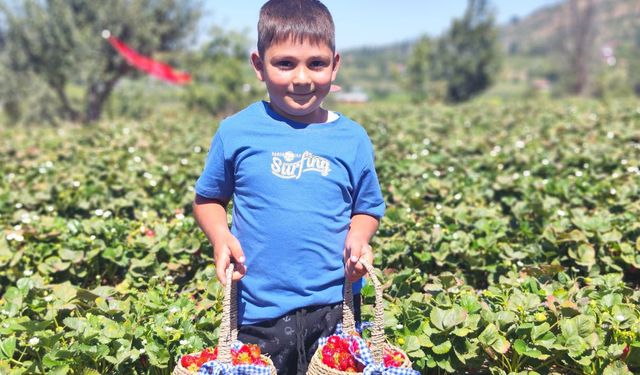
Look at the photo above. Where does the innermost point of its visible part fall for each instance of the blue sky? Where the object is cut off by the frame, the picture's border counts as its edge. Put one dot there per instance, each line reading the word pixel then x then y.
pixel 371 22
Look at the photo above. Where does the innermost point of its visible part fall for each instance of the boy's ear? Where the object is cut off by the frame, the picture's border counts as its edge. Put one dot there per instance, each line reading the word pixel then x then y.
pixel 336 66
pixel 258 65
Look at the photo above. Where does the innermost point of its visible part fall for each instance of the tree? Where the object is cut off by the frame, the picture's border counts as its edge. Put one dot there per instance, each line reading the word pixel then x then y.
pixel 223 79
pixel 577 43
pixel 467 56
pixel 418 70
pixel 55 49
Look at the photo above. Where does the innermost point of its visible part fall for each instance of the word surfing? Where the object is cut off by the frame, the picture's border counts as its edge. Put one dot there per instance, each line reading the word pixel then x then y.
pixel 338 353
pixel 291 166
pixel 248 354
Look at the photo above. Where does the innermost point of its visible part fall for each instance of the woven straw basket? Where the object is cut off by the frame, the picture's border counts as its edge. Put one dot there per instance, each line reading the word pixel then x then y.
pixel 228 328
pixel 378 343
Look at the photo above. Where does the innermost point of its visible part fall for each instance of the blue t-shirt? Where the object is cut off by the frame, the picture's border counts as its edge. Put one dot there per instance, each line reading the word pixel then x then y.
pixel 295 188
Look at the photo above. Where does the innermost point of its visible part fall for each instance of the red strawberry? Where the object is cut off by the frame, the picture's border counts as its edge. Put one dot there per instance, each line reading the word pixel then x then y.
pixel 187 360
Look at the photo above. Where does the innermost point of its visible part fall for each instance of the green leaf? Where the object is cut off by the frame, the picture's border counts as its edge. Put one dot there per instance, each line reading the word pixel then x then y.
pixel 442 348
pixel 613 236
pixel 64 292
pixel 113 330
pixel 447 319
pixel 617 368
pixel 7 348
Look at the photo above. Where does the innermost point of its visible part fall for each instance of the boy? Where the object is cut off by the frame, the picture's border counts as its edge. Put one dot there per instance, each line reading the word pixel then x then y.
pixel 306 198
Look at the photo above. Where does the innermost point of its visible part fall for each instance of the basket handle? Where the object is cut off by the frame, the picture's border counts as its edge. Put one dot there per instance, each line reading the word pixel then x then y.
pixel 348 321
pixel 229 323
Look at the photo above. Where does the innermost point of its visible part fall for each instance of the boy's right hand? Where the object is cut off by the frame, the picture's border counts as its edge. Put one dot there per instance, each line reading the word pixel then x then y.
pixel 226 249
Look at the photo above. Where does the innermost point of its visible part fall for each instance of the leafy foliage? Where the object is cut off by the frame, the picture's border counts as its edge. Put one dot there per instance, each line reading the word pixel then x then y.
pixel 510 244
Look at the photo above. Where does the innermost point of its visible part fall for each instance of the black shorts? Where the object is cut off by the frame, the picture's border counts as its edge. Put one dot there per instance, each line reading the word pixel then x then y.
pixel 291 340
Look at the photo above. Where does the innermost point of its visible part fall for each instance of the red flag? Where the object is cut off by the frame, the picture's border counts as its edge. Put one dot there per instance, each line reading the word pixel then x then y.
pixel 147 64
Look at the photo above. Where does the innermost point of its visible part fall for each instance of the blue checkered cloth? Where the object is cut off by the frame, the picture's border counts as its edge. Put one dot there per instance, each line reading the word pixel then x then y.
pixel 217 368
pixel 361 352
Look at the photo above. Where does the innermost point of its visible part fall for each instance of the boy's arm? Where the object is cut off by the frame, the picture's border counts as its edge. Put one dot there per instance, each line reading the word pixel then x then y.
pixel 356 246
pixel 211 216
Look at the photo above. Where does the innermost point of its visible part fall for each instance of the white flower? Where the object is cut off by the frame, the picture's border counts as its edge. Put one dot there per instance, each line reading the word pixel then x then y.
pixel 11 236
pixel 436 226
pixel 144 342
pixel 106 214
pixel 76 184
pixel 168 329
pixel 526 173
pixel 578 173
pixel 424 152
pixel 153 183
pixel 137 159
pixel 147 175
pixel 561 213
pixel 190 188
pixel 11 176
pixel 613 191
pixel 624 161
pixel 42 170
pixel 18 205
pixel 17 227
pixel 399 326
pixel 168 279
pixel 172 191
pixel 515 176
pixel 438 206
pixel 142 351
pixel 184 161
pixel 620 317
pixel 25 218
pixel 457 197
pixel 184 342
pixel 179 216
pixel 131 150
pixel 165 168
pixel 50 208
pixel 427 142
pixel 545 162
pixel 500 166
pixel 28 273
pixel 48 298
pixel 451 169
pixel 19 238
pixel 197 149
pixel 425 175
pixel 174 310
pixel 436 173
pixel 125 130
pixel 92 237
pixel 34 341
pixel 99 212
pixel 520 144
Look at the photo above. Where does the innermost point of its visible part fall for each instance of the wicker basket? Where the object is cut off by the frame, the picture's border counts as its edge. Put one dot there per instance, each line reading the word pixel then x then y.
pixel 228 328
pixel 378 343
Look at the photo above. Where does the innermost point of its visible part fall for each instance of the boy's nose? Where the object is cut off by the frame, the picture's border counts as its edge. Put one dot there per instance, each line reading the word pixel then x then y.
pixel 301 77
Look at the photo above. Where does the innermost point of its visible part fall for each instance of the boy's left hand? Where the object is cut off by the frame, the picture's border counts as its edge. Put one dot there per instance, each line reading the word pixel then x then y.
pixel 354 250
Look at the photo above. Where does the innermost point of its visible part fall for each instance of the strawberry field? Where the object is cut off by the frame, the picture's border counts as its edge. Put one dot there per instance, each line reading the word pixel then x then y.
pixel 511 243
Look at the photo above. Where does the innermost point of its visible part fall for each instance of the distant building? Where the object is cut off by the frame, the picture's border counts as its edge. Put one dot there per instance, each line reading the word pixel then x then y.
pixel 351 97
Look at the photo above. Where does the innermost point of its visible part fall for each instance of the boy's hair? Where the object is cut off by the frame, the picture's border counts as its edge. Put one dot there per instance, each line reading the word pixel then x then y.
pixel 297 20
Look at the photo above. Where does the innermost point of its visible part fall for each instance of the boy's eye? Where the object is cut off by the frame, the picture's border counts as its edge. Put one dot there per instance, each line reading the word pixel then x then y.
pixel 284 64
pixel 318 64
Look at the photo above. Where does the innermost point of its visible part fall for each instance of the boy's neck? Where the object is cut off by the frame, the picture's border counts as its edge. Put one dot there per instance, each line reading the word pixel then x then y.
pixel 319 116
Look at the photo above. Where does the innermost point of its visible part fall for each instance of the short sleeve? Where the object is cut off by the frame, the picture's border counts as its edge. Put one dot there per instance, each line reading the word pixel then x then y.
pixel 216 180
pixel 367 194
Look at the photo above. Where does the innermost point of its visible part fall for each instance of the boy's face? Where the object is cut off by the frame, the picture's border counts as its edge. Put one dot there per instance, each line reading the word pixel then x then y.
pixel 298 77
